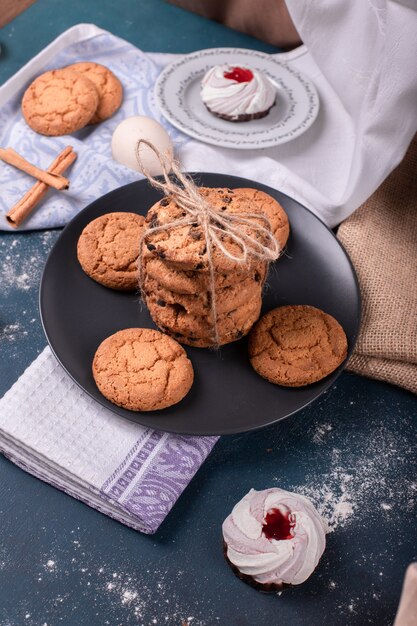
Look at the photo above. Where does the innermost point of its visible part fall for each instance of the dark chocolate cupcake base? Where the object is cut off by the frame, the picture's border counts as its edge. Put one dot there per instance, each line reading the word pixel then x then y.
pixel 249 580
pixel 244 117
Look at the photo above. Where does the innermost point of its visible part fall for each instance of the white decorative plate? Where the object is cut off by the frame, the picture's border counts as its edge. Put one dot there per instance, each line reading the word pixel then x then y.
pixel 177 92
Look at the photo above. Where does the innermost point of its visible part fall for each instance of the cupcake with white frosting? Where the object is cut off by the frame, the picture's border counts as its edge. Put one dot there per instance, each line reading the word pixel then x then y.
pixel 274 538
pixel 237 94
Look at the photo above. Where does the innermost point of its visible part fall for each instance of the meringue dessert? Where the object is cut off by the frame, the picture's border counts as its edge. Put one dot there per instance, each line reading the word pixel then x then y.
pixel 237 94
pixel 274 538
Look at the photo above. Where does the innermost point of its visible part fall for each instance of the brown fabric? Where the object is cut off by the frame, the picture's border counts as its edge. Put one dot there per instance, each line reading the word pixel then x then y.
pixel 381 239
pixel 267 20
pixel 9 9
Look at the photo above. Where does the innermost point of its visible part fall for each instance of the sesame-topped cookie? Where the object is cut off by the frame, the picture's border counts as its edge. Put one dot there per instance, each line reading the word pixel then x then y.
pixel 108 250
pixel 295 346
pixel 142 370
pixel 59 102
pixel 109 88
pixel 185 247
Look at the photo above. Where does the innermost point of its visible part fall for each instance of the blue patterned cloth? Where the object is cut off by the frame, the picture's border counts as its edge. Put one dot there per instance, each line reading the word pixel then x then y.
pixel 94 173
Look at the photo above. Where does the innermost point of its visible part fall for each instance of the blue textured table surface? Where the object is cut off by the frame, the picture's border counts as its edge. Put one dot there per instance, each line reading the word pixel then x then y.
pixel 353 452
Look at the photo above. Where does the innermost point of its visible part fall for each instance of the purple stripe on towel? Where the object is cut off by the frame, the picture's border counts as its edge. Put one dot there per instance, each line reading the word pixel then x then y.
pixel 163 480
pixel 124 481
pixel 125 461
pixel 166 477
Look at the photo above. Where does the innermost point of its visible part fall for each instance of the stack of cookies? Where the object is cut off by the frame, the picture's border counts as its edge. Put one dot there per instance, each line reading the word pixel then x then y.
pixel 176 270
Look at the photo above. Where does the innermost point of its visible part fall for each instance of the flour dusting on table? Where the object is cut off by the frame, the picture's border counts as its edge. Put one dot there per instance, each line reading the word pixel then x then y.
pixel 130 596
pixel 364 487
pixel 21 268
pixel 22 259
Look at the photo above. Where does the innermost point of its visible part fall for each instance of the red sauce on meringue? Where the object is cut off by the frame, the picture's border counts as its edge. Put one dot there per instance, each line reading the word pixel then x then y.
pixel 239 74
pixel 278 525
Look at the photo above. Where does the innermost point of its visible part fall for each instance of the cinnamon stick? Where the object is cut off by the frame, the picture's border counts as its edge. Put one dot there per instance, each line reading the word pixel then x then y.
pixel 25 206
pixel 11 157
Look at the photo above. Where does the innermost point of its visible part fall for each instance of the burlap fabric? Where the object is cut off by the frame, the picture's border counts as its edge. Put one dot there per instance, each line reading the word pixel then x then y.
pixel 381 239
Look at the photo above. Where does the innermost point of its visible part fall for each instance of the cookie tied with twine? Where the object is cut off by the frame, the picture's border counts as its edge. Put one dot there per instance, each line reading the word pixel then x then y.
pixel 240 238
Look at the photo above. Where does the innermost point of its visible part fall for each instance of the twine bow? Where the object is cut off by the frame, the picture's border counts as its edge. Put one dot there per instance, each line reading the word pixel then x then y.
pixel 258 243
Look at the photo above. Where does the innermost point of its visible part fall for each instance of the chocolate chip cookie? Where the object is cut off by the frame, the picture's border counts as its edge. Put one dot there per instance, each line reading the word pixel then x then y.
pixel 200 302
pixel 271 208
pixel 192 282
pixel 185 247
pixel 178 321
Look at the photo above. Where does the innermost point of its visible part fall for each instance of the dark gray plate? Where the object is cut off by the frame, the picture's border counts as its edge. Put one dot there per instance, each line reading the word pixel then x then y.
pixel 227 395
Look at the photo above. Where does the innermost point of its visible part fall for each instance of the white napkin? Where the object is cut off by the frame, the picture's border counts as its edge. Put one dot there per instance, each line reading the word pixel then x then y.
pixel 362 57
pixel 52 429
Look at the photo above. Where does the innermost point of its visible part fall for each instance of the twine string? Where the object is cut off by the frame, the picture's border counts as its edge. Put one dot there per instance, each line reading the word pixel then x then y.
pixel 259 242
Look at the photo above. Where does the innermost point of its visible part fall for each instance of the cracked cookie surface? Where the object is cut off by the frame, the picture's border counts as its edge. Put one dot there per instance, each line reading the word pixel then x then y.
pixel 142 370
pixel 199 303
pixel 108 250
pixel 109 88
pixel 198 329
pixel 192 282
pixel 208 341
pixel 184 247
pixel 272 209
pixel 59 102
pixel 294 346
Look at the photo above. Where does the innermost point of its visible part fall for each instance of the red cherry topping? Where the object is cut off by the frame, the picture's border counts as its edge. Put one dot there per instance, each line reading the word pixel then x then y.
pixel 239 74
pixel 279 524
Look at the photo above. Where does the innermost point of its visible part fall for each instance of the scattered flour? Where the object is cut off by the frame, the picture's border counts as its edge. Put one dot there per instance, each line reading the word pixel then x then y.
pixel 332 496
pixel 50 566
pixel 18 273
pixel 360 487
pixel 22 259
pixel 12 332
pixel 21 268
pixel 139 598
pixel 351 607
pixel 321 431
pixel 129 598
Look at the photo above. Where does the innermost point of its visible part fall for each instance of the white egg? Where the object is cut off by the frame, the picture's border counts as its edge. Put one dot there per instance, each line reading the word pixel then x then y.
pixel 125 139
